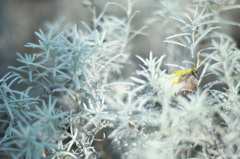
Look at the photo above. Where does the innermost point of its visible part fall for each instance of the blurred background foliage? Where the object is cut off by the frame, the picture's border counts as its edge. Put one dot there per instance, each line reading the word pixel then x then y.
pixel 19 19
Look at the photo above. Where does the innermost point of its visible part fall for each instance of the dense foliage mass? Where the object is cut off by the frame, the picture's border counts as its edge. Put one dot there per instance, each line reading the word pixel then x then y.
pixel 74 101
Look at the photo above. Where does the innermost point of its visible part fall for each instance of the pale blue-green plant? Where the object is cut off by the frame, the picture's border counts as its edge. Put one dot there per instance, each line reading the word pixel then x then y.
pixel 74 94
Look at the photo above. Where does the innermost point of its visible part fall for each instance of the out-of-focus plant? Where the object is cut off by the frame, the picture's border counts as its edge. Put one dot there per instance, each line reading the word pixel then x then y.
pixel 76 95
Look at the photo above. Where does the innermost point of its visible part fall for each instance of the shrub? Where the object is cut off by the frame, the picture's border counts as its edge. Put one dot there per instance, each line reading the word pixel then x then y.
pixel 75 102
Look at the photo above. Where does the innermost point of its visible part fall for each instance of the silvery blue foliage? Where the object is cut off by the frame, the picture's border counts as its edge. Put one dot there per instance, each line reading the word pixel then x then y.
pixel 75 102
